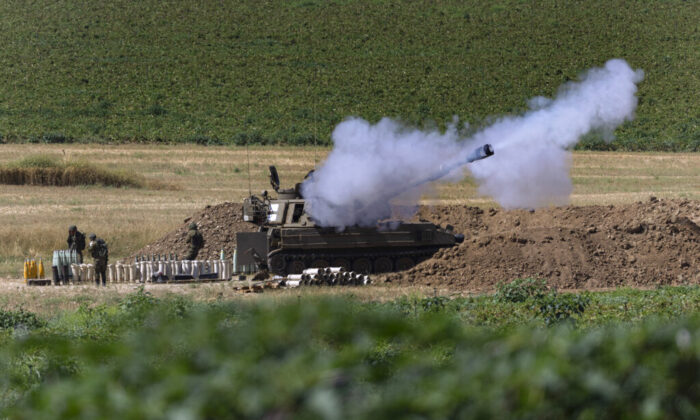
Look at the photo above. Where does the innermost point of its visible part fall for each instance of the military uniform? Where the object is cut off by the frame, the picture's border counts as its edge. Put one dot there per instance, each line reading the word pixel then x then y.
pixel 76 242
pixel 195 240
pixel 100 254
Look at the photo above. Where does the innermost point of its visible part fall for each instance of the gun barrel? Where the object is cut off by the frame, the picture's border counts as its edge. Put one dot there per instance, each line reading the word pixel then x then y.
pixel 480 153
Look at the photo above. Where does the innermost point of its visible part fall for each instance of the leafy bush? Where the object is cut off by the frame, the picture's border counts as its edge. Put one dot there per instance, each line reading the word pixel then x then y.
pixel 204 140
pixel 242 139
pixel 339 359
pixel 420 305
pixel 19 318
pixel 555 308
pixel 54 138
pixel 88 322
pixel 138 303
pixel 434 304
pixel 520 290
pixel 549 305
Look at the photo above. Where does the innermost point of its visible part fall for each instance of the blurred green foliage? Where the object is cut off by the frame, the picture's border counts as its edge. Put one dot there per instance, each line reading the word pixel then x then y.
pixel 225 72
pixel 421 357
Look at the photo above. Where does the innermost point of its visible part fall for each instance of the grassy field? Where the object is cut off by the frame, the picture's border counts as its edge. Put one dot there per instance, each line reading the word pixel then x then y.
pixel 35 219
pixel 288 72
pixel 481 307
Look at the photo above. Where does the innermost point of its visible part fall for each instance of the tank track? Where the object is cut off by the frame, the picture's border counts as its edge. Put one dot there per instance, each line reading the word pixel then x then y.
pixel 293 262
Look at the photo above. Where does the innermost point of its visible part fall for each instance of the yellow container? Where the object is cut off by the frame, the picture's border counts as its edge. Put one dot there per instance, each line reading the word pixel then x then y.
pixel 33 269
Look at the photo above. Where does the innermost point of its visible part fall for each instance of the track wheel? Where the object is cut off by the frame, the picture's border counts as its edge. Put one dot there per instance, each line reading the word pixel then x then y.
pixel 277 263
pixel 295 267
pixel 404 263
pixel 362 265
pixel 319 264
pixel 341 262
pixel 383 265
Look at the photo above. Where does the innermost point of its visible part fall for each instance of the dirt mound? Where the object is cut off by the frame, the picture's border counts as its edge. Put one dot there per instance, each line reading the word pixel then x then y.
pixel 643 244
pixel 651 243
pixel 218 225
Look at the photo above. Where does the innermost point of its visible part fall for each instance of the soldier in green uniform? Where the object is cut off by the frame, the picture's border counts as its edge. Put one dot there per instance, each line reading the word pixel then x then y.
pixel 195 240
pixel 100 254
pixel 76 242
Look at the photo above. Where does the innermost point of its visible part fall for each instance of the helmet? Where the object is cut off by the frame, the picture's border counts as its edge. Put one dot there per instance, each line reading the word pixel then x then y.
pixel 193 225
pixel 92 236
pixel 72 228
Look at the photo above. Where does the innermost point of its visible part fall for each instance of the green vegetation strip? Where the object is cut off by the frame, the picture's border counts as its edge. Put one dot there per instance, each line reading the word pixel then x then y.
pixel 423 357
pixel 52 171
pixel 220 72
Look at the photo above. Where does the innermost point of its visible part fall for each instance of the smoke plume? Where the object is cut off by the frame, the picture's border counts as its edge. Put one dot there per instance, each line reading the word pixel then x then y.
pixel 377 171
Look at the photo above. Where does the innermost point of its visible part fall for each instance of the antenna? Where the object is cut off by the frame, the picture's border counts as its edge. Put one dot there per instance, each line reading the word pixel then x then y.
pixel 314 78
pixel 315 121
pixel 247 153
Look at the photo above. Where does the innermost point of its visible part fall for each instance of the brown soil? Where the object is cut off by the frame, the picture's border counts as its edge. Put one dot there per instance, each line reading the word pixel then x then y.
pixel 644 244
pixel 651 243
pixel 218 225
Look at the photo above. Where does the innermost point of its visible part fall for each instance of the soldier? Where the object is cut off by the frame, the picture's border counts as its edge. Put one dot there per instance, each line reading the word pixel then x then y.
pixel 196 241
pixel 100 254
pixel 76 242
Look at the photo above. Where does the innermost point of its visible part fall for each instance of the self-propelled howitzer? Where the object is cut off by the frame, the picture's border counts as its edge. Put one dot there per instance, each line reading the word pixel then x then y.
pixel 288 240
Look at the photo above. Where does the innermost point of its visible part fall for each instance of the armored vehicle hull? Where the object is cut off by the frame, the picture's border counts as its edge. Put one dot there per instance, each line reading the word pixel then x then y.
pixel 364 250
pixel 289 241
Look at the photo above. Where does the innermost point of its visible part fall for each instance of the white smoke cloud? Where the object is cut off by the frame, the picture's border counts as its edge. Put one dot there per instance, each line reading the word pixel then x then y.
pixel 375 171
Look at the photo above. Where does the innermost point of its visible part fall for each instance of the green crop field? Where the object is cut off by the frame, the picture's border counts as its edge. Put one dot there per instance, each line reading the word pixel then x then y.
pixel 215 72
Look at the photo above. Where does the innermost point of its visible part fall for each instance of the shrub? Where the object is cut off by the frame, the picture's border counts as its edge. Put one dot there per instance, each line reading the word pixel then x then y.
pixel 242 139
pixel 90 322
pixel 334 359
pixel 138 303
pixel 38 161
pixel 19 318
pixel 520 290
pixel 555 308
pixel 419 306
pixel 597 144
pixel 51 171
pixel 434 304
pixel 178 306
pixel 204 140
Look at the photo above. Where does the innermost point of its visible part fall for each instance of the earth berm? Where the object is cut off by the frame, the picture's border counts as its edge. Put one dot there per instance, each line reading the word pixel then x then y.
pixel 645 244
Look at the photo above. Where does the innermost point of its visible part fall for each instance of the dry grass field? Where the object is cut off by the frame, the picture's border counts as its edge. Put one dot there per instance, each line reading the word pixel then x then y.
pixel 34 219
pixel 15 294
